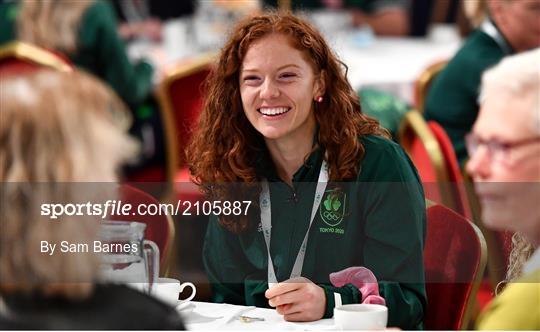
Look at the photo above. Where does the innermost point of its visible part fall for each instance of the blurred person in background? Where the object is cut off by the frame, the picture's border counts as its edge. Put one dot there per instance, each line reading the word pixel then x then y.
pixel 280 121
pixel 86 32
pixel 145 18
pixel 504 148
pixel 505 27
pixel 385 17
pixel 58 138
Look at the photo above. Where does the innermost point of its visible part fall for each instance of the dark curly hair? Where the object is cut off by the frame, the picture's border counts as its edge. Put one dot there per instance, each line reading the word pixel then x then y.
pixel 222 152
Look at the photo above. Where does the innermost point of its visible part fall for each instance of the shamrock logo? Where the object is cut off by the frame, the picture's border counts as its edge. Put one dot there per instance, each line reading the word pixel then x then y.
pixel 332 203
pixel 334 207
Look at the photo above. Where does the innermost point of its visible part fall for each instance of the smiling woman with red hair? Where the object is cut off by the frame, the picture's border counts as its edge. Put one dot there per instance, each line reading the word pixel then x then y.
pixel 282 128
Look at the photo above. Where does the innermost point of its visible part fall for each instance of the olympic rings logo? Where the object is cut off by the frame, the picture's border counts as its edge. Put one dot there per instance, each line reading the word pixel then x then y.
pixel 331 216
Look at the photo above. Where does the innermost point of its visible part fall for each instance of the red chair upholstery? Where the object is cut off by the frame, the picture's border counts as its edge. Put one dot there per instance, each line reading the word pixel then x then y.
pixel 185 188
pixel 422 146
pixel 455 177
pixel 154 173
pixel 454 259
pixel 17 58
pixel 504 239
pixel 181 98
pixel 159 228
pixel 450 159
pixel 186 97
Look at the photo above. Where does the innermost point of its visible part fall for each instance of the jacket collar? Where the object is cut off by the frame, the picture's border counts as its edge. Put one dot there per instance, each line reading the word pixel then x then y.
pixel 490 28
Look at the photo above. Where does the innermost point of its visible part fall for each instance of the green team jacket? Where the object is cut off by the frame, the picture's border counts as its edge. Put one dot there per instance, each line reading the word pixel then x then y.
pixel 100 50
pixel 379 222
pixel 452 101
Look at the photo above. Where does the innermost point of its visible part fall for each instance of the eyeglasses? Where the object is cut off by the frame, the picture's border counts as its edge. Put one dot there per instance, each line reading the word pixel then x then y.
pixel 497 151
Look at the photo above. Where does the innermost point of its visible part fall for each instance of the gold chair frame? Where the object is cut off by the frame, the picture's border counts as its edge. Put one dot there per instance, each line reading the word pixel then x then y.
pixel 413 124
pixel 34 54
pixel 472 304
pixel 423 83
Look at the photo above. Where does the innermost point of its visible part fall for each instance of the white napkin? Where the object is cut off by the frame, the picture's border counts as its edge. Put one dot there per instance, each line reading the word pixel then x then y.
pixel 222 317
pixel 218 316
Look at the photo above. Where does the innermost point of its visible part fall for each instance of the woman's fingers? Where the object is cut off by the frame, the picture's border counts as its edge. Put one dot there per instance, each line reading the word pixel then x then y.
pixel 284 298
pixel 301 315
pixel 282 288
pixel 298 301
pixel 288 309
pixel 296 317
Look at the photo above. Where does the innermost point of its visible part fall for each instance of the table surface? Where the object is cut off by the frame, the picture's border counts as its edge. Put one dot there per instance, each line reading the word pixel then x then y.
pixel 222 316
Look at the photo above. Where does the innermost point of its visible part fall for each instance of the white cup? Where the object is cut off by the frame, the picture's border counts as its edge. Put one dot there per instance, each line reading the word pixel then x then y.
pixel 168 290
pixel 175 39
pixel 361 316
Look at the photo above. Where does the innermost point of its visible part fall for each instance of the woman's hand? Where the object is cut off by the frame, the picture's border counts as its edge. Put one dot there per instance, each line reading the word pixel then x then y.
pixel 298 300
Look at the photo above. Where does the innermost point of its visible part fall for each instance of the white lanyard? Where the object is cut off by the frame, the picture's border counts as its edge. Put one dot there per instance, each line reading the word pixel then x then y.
pixel 266 223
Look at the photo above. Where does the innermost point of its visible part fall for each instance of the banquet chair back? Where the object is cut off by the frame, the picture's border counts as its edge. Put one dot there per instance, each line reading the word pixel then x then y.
pixel 455 177
pixel 422 146
pixel 159 228
pixel 424 82
pixel 181 99
pixel 454 261
pixel 18 58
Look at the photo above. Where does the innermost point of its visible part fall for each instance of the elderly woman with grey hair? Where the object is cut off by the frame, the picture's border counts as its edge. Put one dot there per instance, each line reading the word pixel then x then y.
pixel 58 138
pixel 505 164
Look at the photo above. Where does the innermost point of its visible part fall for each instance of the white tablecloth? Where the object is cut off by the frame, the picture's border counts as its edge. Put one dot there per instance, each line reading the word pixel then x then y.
pixel 392 64
pixel 220 316
pixel 389 64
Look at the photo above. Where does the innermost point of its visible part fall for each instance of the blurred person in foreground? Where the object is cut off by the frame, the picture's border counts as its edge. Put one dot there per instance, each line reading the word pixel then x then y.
pixel 506 27
pixel 59 143
pixel 337 212
pixel 505 164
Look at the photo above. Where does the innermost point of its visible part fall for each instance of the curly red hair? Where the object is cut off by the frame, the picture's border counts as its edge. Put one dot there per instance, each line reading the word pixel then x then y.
pixel 225 144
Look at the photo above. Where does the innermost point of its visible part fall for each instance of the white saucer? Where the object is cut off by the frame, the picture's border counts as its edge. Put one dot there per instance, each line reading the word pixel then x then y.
pixel 185 307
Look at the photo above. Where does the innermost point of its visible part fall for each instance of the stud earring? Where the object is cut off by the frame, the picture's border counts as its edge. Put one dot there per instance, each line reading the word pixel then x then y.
pixel 319 99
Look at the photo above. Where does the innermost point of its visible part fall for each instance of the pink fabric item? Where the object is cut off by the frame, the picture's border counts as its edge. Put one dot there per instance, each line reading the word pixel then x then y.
pixel 363 279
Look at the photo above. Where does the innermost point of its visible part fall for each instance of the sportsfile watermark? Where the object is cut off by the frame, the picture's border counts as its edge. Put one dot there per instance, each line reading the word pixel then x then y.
pixel 342 222
pixel 120 208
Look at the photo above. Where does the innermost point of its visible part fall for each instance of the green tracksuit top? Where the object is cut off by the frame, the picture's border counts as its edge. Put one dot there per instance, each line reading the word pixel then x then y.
pixel 100 50
pixel 452 101
pixel 379 222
